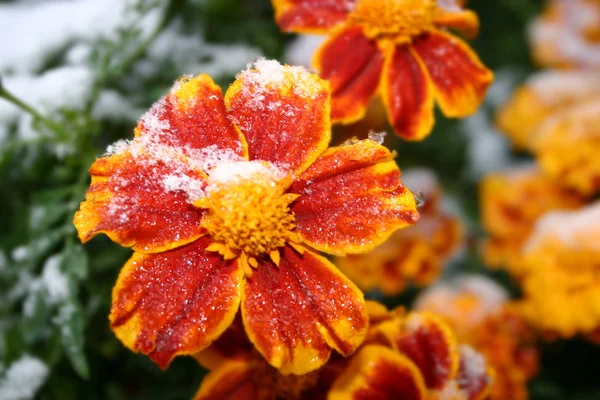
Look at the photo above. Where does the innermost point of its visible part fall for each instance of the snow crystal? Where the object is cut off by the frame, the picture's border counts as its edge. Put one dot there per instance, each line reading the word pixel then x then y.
pixel 302 49
pixel 378 137
pixel 263 74
pixel 23 379
pixel 55 281
pixel 574 229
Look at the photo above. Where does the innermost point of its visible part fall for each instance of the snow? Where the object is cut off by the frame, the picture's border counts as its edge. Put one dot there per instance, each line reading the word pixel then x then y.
pixel 567 37
pixel 54 280
pixel 440 297
pixel 301 50
pixel 264 75
pixel 573 229
pixel 232 171
pixel 63 87
pixel 191 53
pixel 23 378
pixel 37 31
pixel 449 5
pixel 474 364
pixel 555 87
pixel 378 137
pixel 20 253
pixel 113 106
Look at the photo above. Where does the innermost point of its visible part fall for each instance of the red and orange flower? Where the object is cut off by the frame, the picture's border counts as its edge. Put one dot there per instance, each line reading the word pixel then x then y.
pixel 398 48
pixel 479 312
pixel 511 202
pixel 415 255
pixel 567 34
pixel 221 198
pixel 412 357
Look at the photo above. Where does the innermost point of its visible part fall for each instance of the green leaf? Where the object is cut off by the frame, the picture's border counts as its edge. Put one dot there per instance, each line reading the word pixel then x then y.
pixel 75 261
pixel 70 322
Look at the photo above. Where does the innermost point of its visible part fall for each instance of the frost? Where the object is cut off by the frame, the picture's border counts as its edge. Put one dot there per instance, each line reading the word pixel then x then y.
pixel 23 379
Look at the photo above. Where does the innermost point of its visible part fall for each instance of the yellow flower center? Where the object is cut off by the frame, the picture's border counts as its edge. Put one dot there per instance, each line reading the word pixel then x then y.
pixel 249 217
pixel 399 20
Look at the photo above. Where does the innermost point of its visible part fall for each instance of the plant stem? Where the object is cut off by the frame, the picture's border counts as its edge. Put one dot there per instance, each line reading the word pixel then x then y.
pixel 11 98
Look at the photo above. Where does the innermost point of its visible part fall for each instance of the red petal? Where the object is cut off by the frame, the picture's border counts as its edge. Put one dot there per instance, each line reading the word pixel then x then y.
pixel 295 313
pixel 459 77
pixel 129 201
pixel 408 94
pixel 232 380
pixel 351 199
pixel 311 16
pixel 352 63
pixel 284 113
pixel 378 373
pixel 430 344
pixel 192 116
pixel 175 302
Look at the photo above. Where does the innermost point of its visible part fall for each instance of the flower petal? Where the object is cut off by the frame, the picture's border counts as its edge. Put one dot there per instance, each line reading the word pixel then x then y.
pixel 130 200
pixel 459 78
pixel 284 113
pixel 233 344
pixel 311 16
pixel 176 302
pixel 474 374
pixel 377 372
pixel 430 344
pixel 352 63
pixel 295 313
pixel 192 117
pixel 351 199
pixel 232 380
pixel 407 93
pixel 465 21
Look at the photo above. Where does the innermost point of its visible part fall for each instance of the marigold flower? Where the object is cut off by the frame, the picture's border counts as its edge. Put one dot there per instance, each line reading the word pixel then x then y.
pixel 544 95
pixel 561 284
pixel 412 356
pixel 220 198
pixel 479 313
pixel 413 255
pixel 398 48
pixel 511 202
pixel 567 34
pixel 567 147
